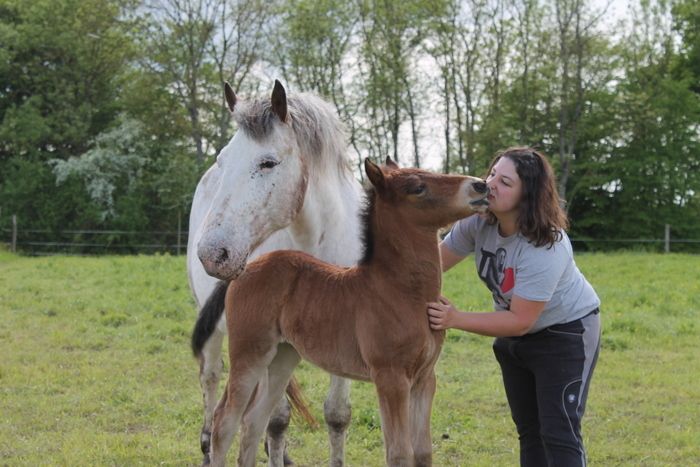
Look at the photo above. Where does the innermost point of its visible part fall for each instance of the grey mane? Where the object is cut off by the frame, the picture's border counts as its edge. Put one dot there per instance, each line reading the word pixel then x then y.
pixel 318 130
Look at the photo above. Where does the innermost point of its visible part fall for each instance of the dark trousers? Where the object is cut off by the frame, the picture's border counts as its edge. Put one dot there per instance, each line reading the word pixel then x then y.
pixel 546 377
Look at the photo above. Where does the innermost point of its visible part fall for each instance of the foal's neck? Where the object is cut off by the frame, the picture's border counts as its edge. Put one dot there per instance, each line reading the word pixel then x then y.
pixel 405 251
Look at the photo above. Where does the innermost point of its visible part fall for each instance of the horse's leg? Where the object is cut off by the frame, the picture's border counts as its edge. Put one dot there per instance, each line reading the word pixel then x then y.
pixel 248 365
pixel 393 391
pixel 278 374
pixel 277 425
pixel 210 367
pixel 422 394
pixel 337 412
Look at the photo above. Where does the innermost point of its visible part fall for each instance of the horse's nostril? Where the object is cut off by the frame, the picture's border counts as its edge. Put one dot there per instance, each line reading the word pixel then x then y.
pixel 480 187
pixel 222 256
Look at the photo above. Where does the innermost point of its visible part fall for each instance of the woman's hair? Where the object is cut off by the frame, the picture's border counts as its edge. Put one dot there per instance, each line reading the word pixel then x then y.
pixel 541 217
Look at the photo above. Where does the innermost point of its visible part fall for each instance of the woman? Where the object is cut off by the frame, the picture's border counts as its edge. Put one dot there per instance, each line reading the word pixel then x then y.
pixel 546 319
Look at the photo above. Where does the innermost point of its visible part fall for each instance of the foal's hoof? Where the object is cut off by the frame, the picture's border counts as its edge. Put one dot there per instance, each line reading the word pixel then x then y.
pixel 205 443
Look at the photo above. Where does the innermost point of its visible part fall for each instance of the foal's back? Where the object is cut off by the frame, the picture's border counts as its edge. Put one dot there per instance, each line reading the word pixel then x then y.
pixel 336 318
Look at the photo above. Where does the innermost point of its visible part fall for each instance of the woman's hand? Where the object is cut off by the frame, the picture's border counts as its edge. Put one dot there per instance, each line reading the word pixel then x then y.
pixel 442 314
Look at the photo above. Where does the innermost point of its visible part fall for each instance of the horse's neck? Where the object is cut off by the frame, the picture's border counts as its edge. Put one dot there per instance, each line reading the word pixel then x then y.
pixel 328 225
pixel 408 253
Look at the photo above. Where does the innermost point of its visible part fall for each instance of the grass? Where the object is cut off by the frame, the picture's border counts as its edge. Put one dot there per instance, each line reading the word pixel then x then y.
pixel 96 369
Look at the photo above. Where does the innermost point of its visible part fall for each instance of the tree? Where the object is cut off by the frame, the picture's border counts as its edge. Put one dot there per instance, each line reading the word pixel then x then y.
pixel 649 177
pixel 686 15
pixel 60 59
pixel 117 157
pixel 193 46
pixel 315 47
pixel 391 35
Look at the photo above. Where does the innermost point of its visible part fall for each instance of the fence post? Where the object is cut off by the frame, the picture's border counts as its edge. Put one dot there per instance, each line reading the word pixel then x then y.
pixel 14 233
pixel 179 230
pixel 667 238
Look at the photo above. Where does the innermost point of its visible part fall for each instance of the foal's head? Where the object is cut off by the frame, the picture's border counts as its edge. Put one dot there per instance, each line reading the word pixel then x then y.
pixel 426 199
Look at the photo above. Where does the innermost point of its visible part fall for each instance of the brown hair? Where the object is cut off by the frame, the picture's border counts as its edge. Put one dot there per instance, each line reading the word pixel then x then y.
pixel 541 217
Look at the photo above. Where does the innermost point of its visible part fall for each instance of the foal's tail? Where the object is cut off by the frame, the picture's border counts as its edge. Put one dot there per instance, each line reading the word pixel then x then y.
pixel 209 315
pixel 298 402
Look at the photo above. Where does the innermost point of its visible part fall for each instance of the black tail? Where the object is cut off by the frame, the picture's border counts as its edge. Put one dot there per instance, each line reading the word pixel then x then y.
pixel 209 315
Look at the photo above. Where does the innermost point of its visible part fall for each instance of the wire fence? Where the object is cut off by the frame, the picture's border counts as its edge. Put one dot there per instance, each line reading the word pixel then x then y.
pixel 35 242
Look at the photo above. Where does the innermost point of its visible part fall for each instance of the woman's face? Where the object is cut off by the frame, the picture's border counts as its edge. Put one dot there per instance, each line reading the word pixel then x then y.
pixel 505 187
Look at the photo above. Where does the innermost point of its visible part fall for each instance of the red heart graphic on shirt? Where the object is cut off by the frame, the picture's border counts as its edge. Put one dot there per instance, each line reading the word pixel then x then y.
pixel 508 281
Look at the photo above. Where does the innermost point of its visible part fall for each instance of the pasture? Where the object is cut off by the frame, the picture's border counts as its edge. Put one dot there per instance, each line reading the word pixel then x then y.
pixel 96 369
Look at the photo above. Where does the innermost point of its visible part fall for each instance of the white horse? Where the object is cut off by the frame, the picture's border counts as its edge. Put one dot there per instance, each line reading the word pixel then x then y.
pixel 283 182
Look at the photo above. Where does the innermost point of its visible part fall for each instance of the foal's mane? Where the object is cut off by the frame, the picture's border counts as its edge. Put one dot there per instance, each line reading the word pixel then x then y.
pixel 320 133
pixel 366 216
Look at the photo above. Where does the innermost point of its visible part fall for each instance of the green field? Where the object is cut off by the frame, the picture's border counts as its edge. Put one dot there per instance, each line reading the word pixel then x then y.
pixel 96 369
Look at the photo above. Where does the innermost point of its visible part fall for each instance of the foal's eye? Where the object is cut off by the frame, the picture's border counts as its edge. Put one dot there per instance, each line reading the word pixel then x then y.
pixel 268 164
pixel 416 190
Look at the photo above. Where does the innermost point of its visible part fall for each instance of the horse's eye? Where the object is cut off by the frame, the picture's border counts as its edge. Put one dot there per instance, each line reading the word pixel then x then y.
pixel 268 164
pixel 417 190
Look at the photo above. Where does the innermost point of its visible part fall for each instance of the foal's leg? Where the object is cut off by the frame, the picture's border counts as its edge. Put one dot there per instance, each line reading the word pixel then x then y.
pixel 337 412
pixel 248 366
pixel 422 394
pixel 393 390
pixel 210 367
pixel 278 374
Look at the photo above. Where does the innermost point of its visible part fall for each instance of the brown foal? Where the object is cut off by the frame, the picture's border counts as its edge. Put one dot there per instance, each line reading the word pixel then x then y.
pixel 368 322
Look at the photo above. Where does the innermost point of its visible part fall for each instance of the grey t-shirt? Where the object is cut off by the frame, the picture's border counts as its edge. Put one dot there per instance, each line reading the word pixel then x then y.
pixel 513 265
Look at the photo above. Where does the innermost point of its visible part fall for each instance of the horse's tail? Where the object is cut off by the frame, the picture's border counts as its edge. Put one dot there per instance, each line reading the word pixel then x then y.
pixel 298 402
pixel 209 315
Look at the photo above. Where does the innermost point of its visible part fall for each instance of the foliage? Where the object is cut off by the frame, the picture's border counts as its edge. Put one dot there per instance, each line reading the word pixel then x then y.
pixel 649 177
pixel 687 22
pixel 117 153
pixel 97 369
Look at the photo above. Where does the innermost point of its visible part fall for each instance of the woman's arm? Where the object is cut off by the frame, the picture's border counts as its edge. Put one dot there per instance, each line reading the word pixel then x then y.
pixel 514 322
pixel 449 258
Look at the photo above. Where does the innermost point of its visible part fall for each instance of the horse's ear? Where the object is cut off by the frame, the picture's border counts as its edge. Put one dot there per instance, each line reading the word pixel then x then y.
pixel 279 101
pixel 390 163
pixel 230 96
pixel 375 174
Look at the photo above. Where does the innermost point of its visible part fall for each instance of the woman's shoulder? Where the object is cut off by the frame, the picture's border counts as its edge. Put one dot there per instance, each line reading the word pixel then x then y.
pixel 560 248
pixel 471 224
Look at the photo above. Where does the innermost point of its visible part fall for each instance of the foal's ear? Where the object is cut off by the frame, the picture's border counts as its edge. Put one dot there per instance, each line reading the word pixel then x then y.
pixel 375 174
pixel 230 96
pixel 390 163
pixel 279 101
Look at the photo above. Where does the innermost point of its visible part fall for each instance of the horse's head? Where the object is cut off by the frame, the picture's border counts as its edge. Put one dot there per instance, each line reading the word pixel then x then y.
pixel 261 186
pixel 425 198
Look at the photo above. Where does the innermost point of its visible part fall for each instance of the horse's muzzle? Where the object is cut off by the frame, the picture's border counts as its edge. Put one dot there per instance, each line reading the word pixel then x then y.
pixel 220 262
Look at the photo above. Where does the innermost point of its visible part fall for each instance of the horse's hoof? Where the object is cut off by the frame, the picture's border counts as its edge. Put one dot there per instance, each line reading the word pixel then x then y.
pixel 287 460
pixel 206 460
pixel 205 443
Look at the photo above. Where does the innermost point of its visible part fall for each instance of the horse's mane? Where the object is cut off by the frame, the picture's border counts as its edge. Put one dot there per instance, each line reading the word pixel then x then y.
pixel 319 131
pixel 366 216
